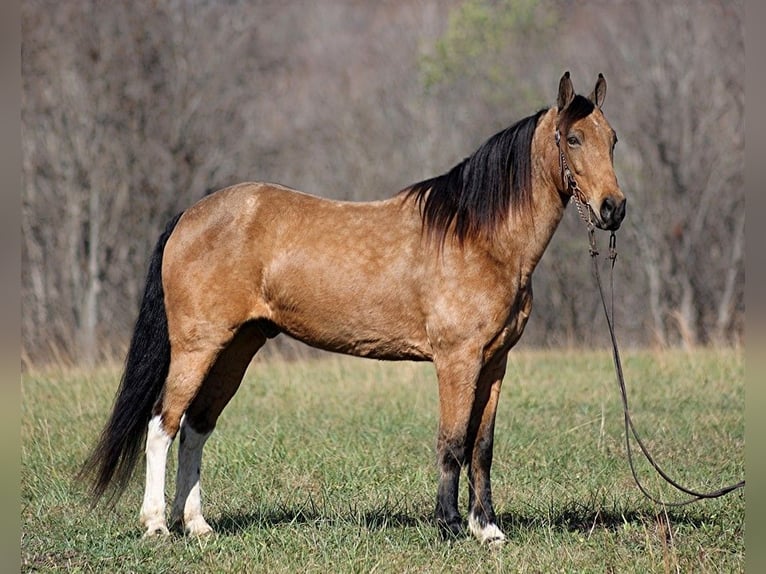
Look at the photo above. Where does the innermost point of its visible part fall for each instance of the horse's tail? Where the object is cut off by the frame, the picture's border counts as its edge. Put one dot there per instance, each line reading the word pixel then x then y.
pixel 111 464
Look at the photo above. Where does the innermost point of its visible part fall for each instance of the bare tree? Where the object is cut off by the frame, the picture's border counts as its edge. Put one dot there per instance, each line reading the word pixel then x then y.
pixel 121 113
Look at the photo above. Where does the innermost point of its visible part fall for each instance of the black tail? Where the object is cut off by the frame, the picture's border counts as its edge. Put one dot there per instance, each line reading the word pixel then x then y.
pixel 112 461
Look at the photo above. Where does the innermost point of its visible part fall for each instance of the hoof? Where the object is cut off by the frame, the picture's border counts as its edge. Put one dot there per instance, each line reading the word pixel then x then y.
pixel 490 534
pixel 450 530
pixel 194 527
pixel 198 527
pixel 496 543
pixel 156 531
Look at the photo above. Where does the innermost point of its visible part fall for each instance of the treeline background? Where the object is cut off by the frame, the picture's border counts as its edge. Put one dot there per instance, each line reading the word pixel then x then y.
pixel 133 110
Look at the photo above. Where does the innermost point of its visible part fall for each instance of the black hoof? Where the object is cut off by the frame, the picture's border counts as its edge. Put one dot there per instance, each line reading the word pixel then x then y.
pixel 450 530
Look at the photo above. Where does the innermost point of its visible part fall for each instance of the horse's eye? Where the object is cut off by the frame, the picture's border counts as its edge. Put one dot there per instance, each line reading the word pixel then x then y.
pixel 573 140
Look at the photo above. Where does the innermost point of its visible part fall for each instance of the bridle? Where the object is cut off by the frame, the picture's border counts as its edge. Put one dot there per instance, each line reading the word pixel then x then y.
pixel 570 185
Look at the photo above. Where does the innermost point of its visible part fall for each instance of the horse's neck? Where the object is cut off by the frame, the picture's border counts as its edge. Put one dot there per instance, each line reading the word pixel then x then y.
pixel 529 233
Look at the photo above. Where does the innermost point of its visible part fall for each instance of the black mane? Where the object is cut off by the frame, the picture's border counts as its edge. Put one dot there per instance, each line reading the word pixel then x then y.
pixel 479 193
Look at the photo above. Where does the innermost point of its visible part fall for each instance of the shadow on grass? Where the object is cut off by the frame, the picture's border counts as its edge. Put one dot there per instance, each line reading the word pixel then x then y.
pixel 586 518
pixel 378 518
pixel 572 516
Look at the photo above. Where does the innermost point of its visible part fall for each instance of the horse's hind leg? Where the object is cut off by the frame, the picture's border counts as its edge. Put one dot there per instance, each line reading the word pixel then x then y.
pixel 187 508
pixel 153 507
pixel 185 375
pixel 218 388
pixel 190 362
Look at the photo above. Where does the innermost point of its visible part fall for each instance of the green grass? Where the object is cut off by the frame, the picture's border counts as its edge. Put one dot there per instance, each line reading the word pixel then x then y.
pixel 328 465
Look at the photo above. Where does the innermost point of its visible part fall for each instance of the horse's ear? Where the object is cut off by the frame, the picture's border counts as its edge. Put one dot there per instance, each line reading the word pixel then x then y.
pixel 566 91
pixel 599 92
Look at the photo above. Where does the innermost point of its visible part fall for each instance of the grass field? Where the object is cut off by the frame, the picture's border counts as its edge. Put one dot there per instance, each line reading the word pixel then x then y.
pixel 328 466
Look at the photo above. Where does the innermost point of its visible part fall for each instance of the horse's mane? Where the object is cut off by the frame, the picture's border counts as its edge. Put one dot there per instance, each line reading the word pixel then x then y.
pixel 477 195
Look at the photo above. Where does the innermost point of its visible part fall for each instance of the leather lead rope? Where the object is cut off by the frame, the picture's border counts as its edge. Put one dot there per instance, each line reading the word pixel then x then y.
pixel 630 428
pixel 568 180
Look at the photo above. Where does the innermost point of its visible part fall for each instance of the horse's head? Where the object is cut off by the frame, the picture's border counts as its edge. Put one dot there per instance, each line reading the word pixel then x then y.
pixel 585 145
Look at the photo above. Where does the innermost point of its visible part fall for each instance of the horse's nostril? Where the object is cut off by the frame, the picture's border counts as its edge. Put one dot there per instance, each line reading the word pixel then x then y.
pixel 607 209
pixel 612 213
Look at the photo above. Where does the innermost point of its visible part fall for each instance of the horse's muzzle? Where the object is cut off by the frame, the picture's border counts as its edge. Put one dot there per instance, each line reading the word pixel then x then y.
pixel 612 213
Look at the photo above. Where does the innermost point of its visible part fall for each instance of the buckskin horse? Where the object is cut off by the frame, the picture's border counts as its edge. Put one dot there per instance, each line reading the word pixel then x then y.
pixel 439 272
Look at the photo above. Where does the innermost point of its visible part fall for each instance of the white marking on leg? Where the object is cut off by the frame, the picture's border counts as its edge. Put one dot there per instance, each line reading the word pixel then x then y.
pixel 489 534
pixel 187 507
pixel 153 507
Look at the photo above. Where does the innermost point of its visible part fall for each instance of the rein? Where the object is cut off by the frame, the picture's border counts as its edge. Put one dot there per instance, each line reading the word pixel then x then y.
pixel 584 210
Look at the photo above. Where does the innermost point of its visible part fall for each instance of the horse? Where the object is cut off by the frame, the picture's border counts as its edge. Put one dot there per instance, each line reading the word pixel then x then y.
pixel 441 271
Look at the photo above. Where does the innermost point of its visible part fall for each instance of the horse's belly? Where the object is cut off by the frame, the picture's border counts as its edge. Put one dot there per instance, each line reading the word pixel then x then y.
pixel 360 343
pixel 363 330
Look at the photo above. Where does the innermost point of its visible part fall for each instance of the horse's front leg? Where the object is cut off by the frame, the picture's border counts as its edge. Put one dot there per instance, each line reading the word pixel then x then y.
pixel 458 375
pixel 481 514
